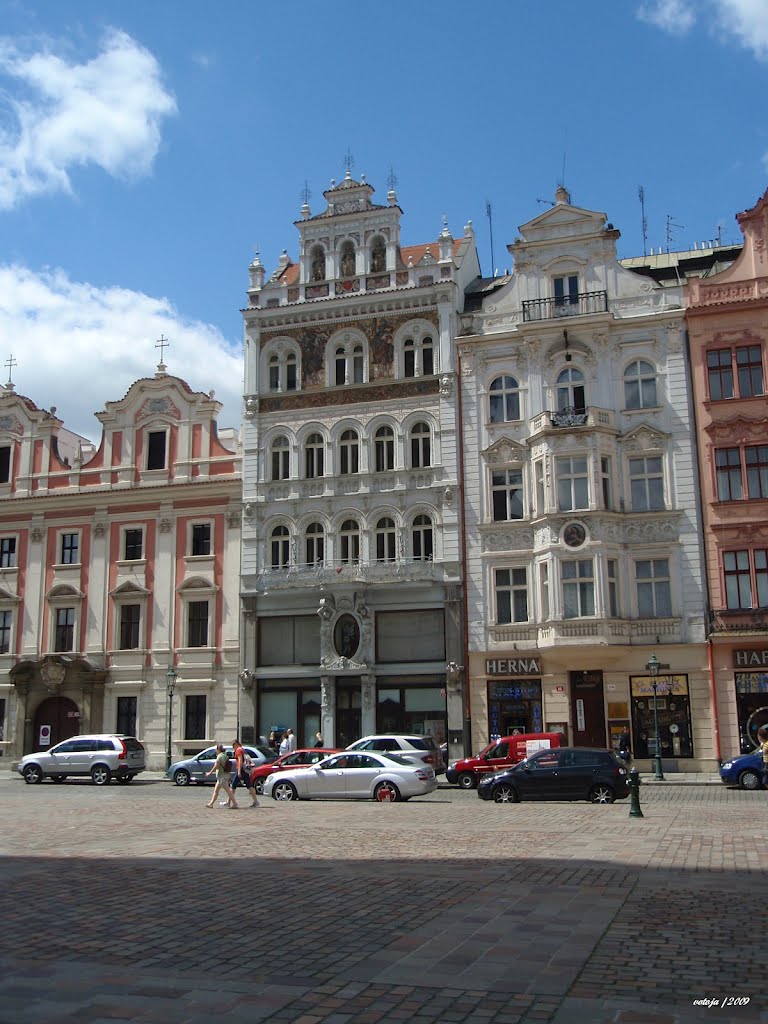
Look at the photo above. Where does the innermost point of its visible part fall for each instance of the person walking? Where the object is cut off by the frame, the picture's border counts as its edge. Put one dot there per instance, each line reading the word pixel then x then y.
pixel 243 769
pixel 762 735
pixel 318 740
pixel 221 767
pixel 285 743
pixel 291 741
pixel 625 745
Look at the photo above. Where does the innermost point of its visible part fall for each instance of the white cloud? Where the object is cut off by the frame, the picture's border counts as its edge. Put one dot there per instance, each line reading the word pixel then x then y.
pixel 78 346
pixel 57 115
pixel 674 16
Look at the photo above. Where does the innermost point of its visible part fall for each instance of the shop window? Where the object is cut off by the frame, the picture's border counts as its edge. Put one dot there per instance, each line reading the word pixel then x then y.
pixel 511 590
pixel 654 597
pixel 7 552
pixel 504 400
pixel 578 580
pixel 514 706
pixel 640 385
pixel 572 484
pixel 646 484
pixel 507 494
pixel 195 715
pixel 125 724
pixel 674 716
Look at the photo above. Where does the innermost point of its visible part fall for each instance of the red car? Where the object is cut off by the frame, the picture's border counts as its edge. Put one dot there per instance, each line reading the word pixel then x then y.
pixel 296 759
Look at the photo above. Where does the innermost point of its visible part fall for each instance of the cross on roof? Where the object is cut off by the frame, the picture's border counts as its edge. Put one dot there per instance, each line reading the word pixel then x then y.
pixel 10 363
pixel 162 344
pixel 349 161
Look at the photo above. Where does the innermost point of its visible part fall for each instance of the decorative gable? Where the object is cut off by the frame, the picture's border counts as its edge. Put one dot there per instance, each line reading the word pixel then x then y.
pixel 505 452
pixel 644 438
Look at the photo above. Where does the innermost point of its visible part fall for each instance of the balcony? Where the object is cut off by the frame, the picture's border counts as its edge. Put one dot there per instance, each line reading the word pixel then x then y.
pixel 570 417
pixel 329 572
pixel 582 304
pixel 589 631
pixel 739 620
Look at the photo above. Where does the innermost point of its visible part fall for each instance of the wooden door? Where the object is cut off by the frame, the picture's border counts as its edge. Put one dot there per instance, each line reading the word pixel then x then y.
pixel 588 709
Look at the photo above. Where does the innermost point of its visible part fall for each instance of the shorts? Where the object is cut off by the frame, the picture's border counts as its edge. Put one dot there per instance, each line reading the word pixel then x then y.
pixel 243 779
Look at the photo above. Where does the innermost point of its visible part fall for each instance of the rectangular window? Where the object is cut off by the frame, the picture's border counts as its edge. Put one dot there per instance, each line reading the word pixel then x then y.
pixel 156 441
pixel 70 548
pixel 749 364
pixel 544 585
pixel 201 539
pixel 654 598
pixel 198 624
pixel 507 494
pixel 64 634
pixel 578 578
pixel 126 716
pixel 7 552
pixel 541 505
pixel 572 484
pixel 511 587
pixel 728 465
pixel 720 374
pixel 130 620
pixel 195 716
pixel 756 458
pixel 646 484
pixel 5 464
pixel 6 621
pixel 746 578
pixel 567 290
pixel 613 588
pixel 605 482
pixel 133 548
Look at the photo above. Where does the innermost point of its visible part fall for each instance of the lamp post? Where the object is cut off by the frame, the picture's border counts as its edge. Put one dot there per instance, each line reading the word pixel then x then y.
pixel 170 677
pixel 653 667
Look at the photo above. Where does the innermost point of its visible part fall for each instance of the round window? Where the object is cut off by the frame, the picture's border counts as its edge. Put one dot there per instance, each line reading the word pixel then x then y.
pixel 346 636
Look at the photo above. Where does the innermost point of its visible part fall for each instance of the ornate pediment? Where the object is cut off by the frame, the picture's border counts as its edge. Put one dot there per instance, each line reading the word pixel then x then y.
pixel 64 590
pixel 504 452
pixel 738 429
pixel 197 583
pixel 129 588
pixel 644 438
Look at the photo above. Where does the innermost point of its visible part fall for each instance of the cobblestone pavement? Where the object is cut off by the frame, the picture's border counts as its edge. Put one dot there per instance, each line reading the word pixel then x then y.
pixel 135 903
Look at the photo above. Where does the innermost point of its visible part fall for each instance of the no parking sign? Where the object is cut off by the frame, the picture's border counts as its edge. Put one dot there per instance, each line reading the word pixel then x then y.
pixel 45 736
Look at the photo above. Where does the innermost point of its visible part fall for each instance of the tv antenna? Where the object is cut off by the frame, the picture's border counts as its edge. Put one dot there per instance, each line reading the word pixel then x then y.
pixel 489 215
pixel 306 193
pixel 643 221
pixel 392 180
pixel 672 226
pixel 547 202
pixel 349 161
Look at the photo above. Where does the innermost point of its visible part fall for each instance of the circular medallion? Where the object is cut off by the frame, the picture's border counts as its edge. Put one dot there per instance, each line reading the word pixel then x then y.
pixel 574 535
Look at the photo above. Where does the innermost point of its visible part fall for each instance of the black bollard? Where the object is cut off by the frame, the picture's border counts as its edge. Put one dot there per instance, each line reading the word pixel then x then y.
pixel 634 794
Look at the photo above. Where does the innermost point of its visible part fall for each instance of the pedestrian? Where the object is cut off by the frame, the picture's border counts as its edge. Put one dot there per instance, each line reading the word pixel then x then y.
pixel 285 743
pixel 243 769
pixel 625 745
pixel 291 741
pixel 272 742
pixel 318 740
pixel 762 735
pixel 221 767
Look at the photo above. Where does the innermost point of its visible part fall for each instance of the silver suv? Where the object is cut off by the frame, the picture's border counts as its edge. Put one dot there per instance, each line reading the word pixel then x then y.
pixel 419 750
pixel 103 757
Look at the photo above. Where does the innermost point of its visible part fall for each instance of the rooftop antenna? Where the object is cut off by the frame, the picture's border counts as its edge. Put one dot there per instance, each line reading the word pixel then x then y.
pixel 392 179
pixel 306 194
pixel 672 226
pixel 643 221
pixel 349 162
pixel 547 202
pixel 489 215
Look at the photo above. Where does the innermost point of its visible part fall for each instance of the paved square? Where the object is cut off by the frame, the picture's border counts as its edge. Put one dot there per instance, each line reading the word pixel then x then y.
pixel 136 903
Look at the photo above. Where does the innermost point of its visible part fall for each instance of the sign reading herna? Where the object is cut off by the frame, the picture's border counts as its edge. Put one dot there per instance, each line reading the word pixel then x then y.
pixel 513 666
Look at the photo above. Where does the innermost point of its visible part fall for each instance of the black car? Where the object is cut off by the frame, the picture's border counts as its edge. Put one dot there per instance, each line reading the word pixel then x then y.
pixel 565 773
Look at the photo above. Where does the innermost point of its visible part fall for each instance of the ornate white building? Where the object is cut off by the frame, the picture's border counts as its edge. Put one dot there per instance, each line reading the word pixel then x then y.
pixel 582 524
pixel 351 580
pixel 119 563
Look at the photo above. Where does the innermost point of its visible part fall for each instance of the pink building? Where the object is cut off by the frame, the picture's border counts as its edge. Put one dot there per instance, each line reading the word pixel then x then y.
pixel 728 335
pixel 117 563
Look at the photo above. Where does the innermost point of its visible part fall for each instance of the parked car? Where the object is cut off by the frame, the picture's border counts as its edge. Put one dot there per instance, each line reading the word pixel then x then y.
pixel 500 754
pixel 354 776
pixel 568 773
pixel 196 768
pixel 296 759
pixel 102 756
pixel 746 771
pixel 418 750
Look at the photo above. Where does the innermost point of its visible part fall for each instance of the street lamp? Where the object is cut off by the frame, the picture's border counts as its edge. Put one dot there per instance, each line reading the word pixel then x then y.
pixel 653 667
pixel 170 677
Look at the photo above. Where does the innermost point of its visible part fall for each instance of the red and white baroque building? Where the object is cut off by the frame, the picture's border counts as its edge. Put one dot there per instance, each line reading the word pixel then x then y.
pixel 118 562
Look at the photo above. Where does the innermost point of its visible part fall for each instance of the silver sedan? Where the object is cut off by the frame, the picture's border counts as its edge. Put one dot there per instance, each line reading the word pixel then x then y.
pixel 353 776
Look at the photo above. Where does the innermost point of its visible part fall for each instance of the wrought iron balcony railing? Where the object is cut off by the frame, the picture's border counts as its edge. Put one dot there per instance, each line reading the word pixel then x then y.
pixel 564 306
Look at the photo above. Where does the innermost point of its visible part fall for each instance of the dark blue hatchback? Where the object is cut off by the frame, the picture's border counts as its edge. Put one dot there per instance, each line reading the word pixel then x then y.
pixel 745 771
pixel 565 773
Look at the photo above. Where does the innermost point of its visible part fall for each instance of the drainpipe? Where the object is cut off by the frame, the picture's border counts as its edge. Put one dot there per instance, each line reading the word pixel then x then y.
pixel 467 701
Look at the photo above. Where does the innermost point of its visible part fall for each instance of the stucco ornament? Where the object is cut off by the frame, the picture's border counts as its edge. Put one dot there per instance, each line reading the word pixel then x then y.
pixel 52 673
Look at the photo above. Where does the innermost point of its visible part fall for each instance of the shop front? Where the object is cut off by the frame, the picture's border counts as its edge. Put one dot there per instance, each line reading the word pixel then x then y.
pixel 671 707
pixel 751 685
pixel 514 696
pixel 283 706
pixel 411 708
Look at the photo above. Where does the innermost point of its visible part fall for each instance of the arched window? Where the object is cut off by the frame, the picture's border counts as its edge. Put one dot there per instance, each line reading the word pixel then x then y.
pixel 422 539
pixel 280 458
pixel 409 358
pixel 378 255
pixel 418 357
pixel 421 448
pixel 347 259
pixel 504 400
pixel 384 444
pixel 348 364
pixel 280 542
pixel 350 542
pixel 314 544
pixel 314 456
pixel 317 263
pixel 349 452
pixel 640 385
pixel 571 395
pixel 386 539
pixel 283 371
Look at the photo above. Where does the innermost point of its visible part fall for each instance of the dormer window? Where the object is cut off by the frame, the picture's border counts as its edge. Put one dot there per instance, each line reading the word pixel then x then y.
pixel 156 445
pixel 347 259
pixel 317 264
pixel 5 464
pixel 378 256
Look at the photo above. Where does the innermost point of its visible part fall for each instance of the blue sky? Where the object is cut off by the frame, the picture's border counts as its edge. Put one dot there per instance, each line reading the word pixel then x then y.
pixel 146 148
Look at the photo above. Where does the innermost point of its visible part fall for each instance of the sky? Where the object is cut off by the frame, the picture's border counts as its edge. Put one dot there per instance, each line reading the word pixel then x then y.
pixel 148 149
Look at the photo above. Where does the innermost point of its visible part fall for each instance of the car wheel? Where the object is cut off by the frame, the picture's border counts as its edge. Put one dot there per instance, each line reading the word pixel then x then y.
pixel 466 780
pixel 750 780
pixel 181 777
pixel 505 795
pixel 101 775
pixel 259 786
pixel 386 792
pixel 58 778
pixel 284 791
pixel 33 774
pixel 602 795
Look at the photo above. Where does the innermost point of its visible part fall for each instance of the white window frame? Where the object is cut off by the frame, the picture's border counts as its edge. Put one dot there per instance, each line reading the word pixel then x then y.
pixel 646 477
pixel 572 476
pixel 639 378
pixel 509 488
pixel 655 584
pixel 60 535
pixel 422 530
pixel 576 583
pixel 157 429
pixel 141 528
pixel 509 389
pixel 280 458
pixel 190 536
pixel 511 588
pixel 15 538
